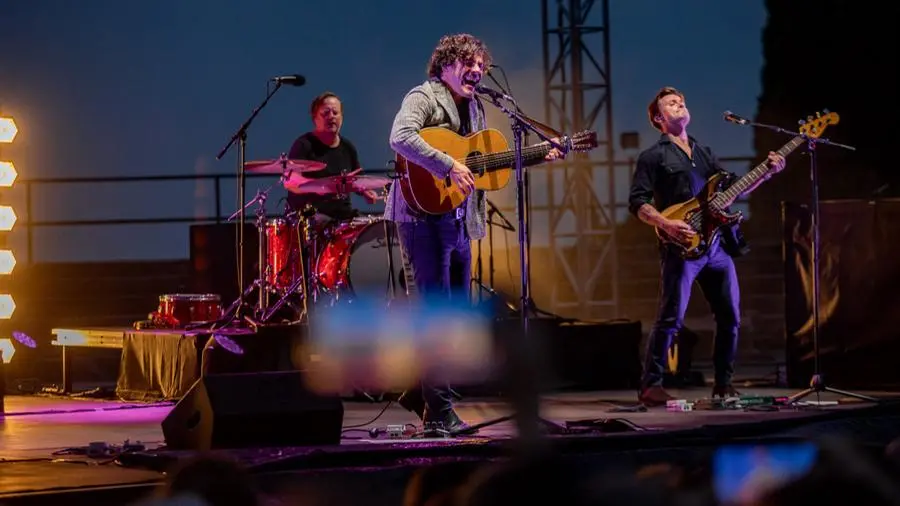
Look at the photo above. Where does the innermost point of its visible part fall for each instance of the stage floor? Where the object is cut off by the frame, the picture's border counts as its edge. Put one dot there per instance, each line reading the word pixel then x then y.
pixel 36 431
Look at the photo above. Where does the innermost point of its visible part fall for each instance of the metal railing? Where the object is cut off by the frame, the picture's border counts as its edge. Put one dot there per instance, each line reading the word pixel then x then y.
pixel 30 224
pixel 29 184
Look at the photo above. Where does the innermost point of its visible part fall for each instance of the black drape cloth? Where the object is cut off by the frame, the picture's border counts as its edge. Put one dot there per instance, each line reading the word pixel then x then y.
pixel 859 296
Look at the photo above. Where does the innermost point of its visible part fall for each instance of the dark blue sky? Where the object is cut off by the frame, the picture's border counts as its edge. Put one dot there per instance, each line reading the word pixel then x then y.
pixel 106 87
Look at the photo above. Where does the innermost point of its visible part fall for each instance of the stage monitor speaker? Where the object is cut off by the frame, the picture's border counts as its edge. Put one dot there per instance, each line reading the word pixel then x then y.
pixel 253 410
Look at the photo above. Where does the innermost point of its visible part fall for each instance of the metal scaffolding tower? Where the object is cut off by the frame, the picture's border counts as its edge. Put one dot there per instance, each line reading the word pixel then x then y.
pixel 581 192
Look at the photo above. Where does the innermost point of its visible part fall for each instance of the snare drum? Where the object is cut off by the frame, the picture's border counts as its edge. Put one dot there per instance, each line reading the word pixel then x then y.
pixel 282 253
pixel 354 259
pixel 186 308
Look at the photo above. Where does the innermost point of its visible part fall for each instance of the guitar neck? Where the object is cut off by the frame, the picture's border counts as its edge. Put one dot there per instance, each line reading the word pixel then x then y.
pixel 759 172
pixel 502 159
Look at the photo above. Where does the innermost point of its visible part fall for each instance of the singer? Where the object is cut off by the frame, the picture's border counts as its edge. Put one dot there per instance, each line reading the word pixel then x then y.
pixel 438 246
pixel 674 170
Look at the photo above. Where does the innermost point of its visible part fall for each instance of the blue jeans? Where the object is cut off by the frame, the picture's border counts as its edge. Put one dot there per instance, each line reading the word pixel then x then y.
pixel 440 255
pixel 714 272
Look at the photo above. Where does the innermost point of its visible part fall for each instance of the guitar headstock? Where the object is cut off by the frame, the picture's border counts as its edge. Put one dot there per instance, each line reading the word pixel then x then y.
pixel 581 141
pixel 813 127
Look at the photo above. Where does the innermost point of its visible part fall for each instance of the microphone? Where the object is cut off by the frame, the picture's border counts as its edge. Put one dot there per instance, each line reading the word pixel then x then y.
pixel 734 118
pixel 484 90
pixel 293 80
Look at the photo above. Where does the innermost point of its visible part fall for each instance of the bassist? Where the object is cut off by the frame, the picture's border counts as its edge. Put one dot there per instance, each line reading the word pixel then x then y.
pixel 674 170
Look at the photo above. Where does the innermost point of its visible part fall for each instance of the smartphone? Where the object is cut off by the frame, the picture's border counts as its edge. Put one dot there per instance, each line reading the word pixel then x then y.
pixel 743 472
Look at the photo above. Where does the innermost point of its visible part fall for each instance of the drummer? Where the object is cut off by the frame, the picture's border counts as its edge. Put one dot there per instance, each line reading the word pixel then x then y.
pixel 325 144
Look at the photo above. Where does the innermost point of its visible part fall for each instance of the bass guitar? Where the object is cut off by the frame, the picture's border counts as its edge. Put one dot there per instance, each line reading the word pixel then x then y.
pixel 486 153
pixel 708 213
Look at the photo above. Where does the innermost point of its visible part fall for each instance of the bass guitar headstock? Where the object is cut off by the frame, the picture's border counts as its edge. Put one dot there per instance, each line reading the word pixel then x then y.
pixel 814 127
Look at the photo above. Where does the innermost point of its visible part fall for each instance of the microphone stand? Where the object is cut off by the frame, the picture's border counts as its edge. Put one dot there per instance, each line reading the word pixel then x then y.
pixel 522 372
pixel 817 382
pixel 241 138
pixel 479 280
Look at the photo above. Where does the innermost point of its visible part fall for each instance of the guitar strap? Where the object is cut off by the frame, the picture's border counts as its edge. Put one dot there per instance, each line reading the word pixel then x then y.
pixel 408 273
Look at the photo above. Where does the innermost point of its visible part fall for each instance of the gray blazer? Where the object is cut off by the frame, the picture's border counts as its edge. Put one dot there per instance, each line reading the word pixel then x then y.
pixel 431 105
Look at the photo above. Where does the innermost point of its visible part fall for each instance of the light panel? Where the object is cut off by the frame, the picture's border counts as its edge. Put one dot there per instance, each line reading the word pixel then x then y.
pixel 8 130
pixel 7 218
pixel 6 346
pixel 8 174
pixel 7 306
pixel 7 261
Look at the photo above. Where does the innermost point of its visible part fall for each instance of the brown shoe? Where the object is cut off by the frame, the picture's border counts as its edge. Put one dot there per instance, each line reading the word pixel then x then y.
pixel 654 396
pixel 724 391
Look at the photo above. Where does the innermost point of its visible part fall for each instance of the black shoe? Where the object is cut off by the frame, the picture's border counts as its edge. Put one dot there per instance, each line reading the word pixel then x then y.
pixel 654 396
pixel 412 401
pixel 724 391
pixel 444 425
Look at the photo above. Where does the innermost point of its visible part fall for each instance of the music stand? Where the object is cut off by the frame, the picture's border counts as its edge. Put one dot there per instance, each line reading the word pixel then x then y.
pixel 817 382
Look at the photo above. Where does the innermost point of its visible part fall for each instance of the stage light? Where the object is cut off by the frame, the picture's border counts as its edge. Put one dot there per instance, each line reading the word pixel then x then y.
pixel 228 343
pixel 8 174
pixel 8 130
pixel 7 349
pixel 7 218
pixel 7 306
pixel 7 261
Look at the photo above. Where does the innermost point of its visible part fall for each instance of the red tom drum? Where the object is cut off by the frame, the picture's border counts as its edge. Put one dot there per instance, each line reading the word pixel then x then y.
pixel 180 309
pixel 282 253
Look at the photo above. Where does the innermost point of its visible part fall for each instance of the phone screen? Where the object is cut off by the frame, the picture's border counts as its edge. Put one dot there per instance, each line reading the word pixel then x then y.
pixel 742 472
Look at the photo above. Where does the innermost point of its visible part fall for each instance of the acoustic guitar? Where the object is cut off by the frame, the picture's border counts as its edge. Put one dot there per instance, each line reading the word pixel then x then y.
pixel 708 213
pixel 486 153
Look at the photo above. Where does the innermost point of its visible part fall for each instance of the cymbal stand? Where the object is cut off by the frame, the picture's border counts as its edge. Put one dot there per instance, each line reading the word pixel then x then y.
pixel 260 283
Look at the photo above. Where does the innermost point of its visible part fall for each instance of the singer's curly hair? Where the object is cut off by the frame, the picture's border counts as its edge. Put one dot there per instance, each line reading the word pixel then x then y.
pixel 460 46
pixel 318 101
pixel 653 108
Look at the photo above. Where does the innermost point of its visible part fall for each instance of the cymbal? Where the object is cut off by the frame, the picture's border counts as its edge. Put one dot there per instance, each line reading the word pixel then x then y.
pixel 340 184
pixel 280 166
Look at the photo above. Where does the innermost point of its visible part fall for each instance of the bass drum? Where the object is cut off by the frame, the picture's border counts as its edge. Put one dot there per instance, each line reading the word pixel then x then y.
pixel 354 262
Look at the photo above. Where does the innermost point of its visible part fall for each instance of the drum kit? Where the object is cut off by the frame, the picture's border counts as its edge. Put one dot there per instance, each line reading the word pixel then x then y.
pixel 305 259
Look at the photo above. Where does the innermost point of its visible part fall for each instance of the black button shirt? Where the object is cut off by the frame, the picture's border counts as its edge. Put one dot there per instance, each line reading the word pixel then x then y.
pixel 665 175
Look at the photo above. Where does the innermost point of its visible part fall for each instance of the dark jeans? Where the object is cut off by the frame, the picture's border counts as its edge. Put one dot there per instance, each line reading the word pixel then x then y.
pixel 440 254
pixel 715 274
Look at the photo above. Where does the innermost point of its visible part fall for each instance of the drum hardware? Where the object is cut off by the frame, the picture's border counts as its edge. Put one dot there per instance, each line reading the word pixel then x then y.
pixel 260 284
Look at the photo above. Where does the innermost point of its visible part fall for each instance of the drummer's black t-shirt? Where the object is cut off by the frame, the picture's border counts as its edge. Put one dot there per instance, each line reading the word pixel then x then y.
pixel 339 160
